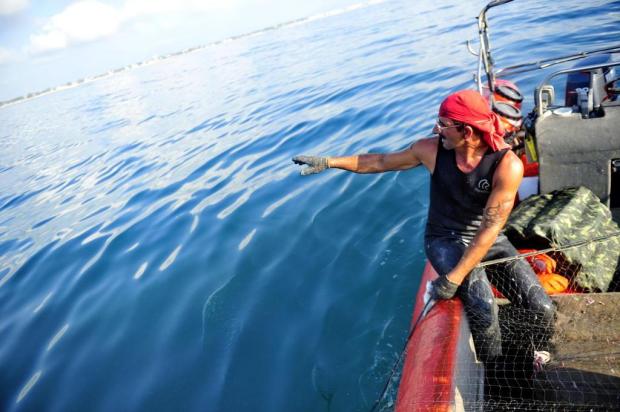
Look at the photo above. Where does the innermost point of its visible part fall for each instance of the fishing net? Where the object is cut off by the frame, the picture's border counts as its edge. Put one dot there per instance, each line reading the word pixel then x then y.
pixel 569 361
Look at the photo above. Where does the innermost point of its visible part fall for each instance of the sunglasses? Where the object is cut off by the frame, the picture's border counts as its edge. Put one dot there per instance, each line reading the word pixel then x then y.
pixel 441 125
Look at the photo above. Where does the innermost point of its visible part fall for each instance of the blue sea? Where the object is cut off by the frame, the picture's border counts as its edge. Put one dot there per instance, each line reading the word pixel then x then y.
pixel 159 251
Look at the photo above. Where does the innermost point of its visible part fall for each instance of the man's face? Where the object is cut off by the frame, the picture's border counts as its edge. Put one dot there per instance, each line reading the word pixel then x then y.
pixel 451 136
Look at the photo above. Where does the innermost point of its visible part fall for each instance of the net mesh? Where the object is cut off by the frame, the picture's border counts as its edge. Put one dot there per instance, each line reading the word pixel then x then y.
pixel 567 361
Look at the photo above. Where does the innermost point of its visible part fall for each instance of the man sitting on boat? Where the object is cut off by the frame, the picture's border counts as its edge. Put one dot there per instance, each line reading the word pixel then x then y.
pixel 474 182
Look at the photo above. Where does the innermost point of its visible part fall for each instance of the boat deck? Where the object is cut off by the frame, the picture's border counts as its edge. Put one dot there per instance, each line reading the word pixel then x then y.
pixel 585 359
pixel 584 368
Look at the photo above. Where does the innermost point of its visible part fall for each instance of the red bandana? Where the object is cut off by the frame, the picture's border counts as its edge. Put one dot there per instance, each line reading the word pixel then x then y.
pixel 469 107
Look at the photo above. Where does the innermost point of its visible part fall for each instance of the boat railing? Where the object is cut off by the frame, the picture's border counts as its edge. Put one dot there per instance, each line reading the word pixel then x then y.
pixel 484 53
pixel 542 102
pixel 548 62
pixel 486 62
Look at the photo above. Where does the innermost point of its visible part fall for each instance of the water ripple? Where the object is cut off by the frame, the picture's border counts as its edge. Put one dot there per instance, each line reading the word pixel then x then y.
pixel 155 236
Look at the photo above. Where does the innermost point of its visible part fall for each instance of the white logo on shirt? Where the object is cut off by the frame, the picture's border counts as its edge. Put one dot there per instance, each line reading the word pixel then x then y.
pixel 484 185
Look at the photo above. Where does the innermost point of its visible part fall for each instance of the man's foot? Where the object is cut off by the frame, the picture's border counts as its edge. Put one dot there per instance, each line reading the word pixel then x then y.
pixel 541 358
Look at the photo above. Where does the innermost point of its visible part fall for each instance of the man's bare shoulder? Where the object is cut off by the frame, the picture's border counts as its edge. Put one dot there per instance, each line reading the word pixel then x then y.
pixel 426 142
pixel 512 164
pixel 425 150
pixel 510 169
pixel 425 146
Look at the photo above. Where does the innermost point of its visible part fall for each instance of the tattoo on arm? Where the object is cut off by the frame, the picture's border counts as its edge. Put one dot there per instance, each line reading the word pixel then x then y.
pixel 496 215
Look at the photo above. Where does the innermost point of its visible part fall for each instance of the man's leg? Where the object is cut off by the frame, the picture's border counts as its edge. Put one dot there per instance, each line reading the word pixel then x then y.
pixel 483 315
pixel 529 321
pixel 517 281
pixel 475 293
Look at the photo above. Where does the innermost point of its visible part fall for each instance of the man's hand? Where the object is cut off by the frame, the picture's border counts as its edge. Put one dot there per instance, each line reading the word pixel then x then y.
pixel 315 164
pixel 443 288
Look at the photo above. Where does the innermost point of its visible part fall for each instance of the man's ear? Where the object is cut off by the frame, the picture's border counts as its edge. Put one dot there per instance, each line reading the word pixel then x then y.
pixel 468 131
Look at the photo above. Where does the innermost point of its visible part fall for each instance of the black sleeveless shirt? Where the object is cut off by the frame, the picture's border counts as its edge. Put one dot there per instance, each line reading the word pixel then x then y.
pixel 458 199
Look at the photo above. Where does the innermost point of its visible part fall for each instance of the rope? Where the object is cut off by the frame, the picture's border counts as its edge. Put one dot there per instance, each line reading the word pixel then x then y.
pixel 401 356
pixel 551 249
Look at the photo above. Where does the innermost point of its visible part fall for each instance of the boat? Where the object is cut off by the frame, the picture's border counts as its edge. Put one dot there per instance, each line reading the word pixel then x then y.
pixel 574 363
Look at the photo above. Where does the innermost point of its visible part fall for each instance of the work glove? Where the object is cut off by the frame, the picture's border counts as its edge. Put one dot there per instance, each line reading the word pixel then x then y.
pixel 443 288
pixel 315 164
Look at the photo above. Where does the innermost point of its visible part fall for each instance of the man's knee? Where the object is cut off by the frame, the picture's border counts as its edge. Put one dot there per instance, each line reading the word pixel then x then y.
pixel 532 293
pixel 479 301
pixel 541 305
pixel 483 315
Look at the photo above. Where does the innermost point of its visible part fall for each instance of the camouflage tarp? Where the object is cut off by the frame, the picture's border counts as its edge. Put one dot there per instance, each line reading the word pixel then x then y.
pixel 566 217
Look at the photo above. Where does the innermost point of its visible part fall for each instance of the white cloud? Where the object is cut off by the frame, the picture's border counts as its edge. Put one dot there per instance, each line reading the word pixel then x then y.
pixel 81 22
pixel 89 20
pixel 12 6
pixel 50 40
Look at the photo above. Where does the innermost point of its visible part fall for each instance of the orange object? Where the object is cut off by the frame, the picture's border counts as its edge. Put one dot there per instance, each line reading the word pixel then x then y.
pixel 507 91
pixel 509 116
pixel 541 263
pixel 553 283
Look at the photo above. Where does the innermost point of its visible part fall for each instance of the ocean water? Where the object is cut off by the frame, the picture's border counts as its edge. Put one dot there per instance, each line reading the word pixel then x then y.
pixel 159 251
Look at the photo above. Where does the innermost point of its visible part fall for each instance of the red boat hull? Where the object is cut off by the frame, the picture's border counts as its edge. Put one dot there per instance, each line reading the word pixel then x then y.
pixel 439 359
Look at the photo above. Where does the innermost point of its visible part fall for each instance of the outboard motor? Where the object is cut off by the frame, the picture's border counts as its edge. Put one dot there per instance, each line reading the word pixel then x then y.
pixel 579 144
pixel 586 90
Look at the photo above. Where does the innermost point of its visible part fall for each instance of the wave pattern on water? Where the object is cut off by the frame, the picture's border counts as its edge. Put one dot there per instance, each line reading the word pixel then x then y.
pixel 159 250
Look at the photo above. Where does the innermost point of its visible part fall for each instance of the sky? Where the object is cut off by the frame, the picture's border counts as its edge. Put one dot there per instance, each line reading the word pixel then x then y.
pixel 47 43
